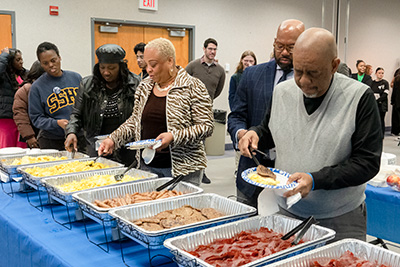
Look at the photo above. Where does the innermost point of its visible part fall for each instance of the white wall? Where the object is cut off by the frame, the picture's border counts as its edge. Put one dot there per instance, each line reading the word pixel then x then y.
pixel 237 25
pixel 373 37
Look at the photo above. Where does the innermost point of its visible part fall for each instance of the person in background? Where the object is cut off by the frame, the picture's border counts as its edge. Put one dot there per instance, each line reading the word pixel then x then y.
pixel 247 59
pixel 395 101
pixel 253 98
pixel 210 73
pixel 361 76
pixel 396 73
pixel 105 100
pixel 309 117
pixel 12 74
pixel 170 106
pixel 139 50
pixel 344 69
pixel 51 97
pixel 20 107
pixel 369 70
pixel 380 87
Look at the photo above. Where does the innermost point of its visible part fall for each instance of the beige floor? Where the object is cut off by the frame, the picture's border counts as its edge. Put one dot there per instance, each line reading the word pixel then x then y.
pixel 220 170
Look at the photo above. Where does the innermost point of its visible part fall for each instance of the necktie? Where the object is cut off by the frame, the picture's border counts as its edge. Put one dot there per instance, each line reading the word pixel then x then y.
pixel 284 76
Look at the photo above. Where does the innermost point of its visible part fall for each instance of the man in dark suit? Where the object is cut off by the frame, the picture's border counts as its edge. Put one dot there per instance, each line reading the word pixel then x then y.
pixel 253 99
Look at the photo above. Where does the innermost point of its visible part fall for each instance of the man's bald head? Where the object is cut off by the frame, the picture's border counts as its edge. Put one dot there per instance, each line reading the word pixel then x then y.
pixel 315 61
pixel 318 40
pixel 286 36
pixel 290 26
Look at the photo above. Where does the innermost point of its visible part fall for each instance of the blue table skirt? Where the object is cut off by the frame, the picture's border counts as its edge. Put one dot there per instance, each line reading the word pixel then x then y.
pixel 29 237
pixel 383 213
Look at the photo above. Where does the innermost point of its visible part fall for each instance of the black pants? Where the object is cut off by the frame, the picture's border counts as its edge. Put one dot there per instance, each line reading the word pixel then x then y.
pixel 349 225
pixel 382 115
pixel 396 120
pixel 46 143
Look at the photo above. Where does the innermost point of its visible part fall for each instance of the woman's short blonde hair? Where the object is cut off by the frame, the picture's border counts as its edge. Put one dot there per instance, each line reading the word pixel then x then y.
pixel 164 47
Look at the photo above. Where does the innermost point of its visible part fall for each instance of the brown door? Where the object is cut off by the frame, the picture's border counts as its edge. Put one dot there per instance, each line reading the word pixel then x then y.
pixel 130 35
pixel 5 31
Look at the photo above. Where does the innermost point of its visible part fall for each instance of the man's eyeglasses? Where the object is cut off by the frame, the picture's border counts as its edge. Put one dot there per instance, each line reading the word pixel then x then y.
pixel 279 47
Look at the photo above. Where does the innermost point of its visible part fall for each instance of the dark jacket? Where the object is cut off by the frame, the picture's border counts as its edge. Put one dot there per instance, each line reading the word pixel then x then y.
pixel 21 115
pixel 381 88
pixel 7 91
pixel 366 79
pixel 252 100
pixel 90 104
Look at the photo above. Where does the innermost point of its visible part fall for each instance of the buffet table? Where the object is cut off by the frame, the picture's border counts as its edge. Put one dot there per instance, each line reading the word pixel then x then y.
pixel 383 216
pixel 32 238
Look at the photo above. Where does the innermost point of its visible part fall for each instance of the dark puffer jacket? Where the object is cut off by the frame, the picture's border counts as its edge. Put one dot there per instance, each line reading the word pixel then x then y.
pixel 90 104
pixel 7 91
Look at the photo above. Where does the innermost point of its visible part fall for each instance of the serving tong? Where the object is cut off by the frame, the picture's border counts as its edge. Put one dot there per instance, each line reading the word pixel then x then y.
pixel 171 183
pixel 302 227
pixel 261 169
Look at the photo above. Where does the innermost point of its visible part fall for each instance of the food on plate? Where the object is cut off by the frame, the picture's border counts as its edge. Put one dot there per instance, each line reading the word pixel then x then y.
pixel 95 181
pixel 31 160
pixel 265 172
pixel 242 248
pixel 74 166
pixel 349 260
pixel 177 217
pixel 136 198
pixel 262 180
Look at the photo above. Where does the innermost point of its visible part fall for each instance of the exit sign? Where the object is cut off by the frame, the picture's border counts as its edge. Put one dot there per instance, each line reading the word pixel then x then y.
pixel 148 4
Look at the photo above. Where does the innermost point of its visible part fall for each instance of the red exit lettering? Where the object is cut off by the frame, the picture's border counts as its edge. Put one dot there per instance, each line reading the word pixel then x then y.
pixel 148 3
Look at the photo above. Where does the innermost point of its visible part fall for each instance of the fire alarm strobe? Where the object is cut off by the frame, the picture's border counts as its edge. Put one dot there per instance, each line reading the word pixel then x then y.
pixel 53 10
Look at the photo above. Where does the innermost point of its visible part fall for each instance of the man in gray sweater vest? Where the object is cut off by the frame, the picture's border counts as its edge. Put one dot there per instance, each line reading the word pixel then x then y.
pixel 325 127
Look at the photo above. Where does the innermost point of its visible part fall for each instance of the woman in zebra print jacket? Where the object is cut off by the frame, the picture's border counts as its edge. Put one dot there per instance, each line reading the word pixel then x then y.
pixel 171 106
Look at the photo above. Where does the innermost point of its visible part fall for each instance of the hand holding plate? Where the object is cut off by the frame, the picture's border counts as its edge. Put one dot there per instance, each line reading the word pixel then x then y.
pixel 166 138
pixel 304 186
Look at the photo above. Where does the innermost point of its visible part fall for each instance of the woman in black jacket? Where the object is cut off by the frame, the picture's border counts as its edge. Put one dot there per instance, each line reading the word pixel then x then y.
pixel 381 91
pixel 104 101
pixel 12 74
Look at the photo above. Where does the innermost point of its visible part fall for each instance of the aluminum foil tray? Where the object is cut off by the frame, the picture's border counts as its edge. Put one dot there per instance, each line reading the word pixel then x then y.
pixel 35 181
pixel 65 198
pixel 86 199
pixel 7 167
pixel 154 239
pixel 315 237
pixel 360 249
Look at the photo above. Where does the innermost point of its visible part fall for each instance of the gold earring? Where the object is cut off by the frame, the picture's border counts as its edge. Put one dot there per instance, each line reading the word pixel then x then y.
pixel 171 72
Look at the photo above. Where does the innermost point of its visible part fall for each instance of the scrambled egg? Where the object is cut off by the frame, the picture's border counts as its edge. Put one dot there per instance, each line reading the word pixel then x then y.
pixel 74 166
pixel 30 160
pixel 94 181
pixel 262 180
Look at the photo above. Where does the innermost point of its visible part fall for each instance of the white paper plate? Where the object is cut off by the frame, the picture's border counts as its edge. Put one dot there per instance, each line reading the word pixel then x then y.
pixel 143 144
pixel 40 151
pixel 12 151
pixel 281 177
